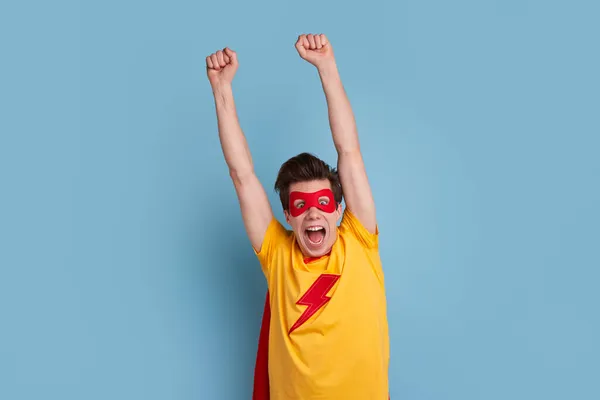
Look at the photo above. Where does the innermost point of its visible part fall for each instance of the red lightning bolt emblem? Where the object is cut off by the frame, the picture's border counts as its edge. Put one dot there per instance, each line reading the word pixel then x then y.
pixel 315 298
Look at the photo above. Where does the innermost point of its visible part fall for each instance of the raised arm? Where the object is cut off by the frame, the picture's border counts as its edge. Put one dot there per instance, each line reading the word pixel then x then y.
pixel 254 203
pixel 317 50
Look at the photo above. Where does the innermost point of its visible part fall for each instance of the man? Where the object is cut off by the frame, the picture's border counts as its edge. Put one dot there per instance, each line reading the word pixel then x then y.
pixel 325 317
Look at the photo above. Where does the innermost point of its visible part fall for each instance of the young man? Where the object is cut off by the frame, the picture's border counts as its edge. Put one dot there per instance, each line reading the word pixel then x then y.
pixel 325 317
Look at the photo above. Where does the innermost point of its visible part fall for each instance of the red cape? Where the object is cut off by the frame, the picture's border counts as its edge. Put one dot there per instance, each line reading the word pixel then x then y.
pixel 261 369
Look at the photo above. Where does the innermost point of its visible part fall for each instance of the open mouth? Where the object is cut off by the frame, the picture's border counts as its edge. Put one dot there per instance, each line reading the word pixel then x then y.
pixel 315 235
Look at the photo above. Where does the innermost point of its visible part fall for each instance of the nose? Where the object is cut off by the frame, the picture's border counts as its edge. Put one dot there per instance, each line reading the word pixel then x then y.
pixel 312 213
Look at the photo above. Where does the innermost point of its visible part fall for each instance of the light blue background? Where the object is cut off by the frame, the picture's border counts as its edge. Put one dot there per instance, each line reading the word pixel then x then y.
pixel 125 272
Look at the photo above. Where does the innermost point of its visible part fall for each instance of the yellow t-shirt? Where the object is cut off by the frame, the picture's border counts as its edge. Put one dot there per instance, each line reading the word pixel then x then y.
pixel 328 336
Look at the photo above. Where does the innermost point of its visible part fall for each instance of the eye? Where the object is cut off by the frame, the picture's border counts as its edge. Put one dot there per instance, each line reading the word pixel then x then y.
pixel 324 201
pixel 299 204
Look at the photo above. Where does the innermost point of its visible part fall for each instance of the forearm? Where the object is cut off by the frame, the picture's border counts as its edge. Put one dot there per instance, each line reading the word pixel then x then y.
pixel 233 142
pixel 341 117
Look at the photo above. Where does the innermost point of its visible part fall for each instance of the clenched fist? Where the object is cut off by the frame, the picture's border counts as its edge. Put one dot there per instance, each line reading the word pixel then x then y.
pixel 315 49
pixel 221 67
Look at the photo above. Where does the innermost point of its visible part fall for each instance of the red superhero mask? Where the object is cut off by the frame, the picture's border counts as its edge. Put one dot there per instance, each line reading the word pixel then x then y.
pixel 312 200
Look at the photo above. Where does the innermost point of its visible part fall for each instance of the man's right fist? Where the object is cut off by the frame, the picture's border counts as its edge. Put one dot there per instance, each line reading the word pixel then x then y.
pixel 221 66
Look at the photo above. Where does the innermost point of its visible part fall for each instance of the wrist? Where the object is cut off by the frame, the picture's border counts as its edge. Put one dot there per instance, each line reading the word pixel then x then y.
pixel 327 69
pixel 221 88
pixel 223 94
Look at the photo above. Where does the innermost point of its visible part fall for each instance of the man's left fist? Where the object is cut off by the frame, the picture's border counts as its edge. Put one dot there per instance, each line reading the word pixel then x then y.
pixel 315 49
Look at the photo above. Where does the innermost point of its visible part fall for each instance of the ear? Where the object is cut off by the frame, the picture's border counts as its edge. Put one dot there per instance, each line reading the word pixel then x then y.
pixel 287 216
pixel 339 211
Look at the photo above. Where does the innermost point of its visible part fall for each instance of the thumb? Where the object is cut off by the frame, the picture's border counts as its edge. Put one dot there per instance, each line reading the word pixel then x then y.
pixel 300 47
pixel 232 56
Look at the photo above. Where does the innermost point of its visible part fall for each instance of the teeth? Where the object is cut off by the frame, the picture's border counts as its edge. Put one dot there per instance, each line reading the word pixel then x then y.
pixel 314 228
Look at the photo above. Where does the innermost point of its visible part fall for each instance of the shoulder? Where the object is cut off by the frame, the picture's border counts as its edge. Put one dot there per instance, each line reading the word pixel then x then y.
pixel 277 237
pixel 351 226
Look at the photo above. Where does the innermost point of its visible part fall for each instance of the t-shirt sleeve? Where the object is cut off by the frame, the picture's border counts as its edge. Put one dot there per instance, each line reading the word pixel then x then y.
pixel 353 225
pixel 275 236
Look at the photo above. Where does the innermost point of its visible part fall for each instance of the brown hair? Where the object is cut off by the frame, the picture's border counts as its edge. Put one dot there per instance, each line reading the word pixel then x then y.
pixel 302 168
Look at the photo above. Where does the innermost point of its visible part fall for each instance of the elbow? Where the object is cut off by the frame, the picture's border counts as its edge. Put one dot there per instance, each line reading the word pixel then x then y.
pixel 349 152
pixel 348 147
pixel 240 175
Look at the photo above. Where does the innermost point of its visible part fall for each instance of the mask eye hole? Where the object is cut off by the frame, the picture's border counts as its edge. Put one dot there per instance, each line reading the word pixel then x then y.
pixel 324 201
pixel 299 204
